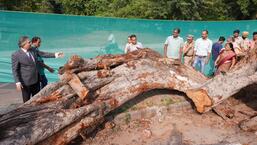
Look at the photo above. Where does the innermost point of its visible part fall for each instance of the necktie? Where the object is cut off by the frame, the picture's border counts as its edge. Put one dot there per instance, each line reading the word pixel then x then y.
pixel 31 57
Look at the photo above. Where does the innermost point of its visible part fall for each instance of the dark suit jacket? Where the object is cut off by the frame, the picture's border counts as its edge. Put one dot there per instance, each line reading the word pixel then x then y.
pixel 41 53
pixel 24 70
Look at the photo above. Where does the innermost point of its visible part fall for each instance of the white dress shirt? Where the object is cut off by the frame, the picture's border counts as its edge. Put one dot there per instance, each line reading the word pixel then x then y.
pixel 132 47
pixel 203 46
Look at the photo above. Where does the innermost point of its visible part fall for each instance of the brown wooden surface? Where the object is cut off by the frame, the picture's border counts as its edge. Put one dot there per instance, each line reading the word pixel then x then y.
pixel 57 114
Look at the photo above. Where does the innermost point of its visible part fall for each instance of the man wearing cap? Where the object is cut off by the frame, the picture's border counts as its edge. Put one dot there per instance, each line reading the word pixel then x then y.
pixel 188 50
pixel 245 43
pixel 173 46
pixel 202 51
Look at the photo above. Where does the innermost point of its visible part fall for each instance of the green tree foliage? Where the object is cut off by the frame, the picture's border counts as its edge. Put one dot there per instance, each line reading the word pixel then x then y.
pixel 83 7
pixel 148 9
pixel 242 9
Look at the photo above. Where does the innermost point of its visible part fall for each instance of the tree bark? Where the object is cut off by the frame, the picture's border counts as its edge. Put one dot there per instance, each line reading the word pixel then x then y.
pixel 89 89
pixel 249 125
pixel 221 87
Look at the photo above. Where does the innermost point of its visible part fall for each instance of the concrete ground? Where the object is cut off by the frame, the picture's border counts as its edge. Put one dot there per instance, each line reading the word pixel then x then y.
pixel 179 125
pixel 9 97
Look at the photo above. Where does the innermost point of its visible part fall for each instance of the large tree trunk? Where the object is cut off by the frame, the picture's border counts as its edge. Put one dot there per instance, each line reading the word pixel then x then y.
pixel 89 89
pixel 221 87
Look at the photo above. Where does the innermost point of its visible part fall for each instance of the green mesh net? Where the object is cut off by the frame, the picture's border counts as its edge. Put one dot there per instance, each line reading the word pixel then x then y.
pixel 92 36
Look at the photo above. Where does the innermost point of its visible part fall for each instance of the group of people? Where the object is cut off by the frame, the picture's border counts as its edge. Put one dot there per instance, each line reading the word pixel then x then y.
pixel 235 47
pixel 28 66
pixel 197 53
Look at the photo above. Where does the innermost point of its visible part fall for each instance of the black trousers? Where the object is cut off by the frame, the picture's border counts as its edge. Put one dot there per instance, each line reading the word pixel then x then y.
pixel 30 91
pixel 43 81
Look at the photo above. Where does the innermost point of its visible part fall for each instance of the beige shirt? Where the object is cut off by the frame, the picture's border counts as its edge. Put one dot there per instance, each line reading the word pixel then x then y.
pixel 245 44
pixel 190 51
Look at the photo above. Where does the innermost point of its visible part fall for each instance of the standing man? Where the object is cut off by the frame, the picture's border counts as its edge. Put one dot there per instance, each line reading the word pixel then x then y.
pixel 127 45
pixel 237 37
pixel 216 47
pixel 134 44
pixel 236 43
pixel 202 51
pixel 24 69
pixel 245 43
pixel 173 45
pixel 188 50
pixel 36 43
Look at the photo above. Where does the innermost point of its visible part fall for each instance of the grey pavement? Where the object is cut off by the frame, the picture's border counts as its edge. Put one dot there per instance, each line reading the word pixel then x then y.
pixel 9 97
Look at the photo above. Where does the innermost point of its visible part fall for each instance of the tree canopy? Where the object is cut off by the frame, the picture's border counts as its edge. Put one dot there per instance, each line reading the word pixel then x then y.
pixel 147 9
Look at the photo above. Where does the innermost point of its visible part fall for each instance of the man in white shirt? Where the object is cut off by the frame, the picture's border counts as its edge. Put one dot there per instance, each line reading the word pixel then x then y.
pixel 127 45
pixel 173 45
pixel 202 51
pixel 133 45
pixel 236 37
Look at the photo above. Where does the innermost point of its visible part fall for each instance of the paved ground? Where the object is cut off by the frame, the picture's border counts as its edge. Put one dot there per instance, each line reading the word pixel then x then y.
pixel 9 96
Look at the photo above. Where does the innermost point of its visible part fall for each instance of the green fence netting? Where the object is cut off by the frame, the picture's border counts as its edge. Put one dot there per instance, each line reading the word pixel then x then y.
pixel 92 36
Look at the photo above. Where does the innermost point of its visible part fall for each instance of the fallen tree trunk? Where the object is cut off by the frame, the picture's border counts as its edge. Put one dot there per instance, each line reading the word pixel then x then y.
pixel 221 87
pixel 89 89
pixel 224 86
pixel 59 111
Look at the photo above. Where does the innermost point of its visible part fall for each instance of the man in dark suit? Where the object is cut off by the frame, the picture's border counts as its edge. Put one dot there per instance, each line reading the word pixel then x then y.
pixel 36 43
pixel 24 68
